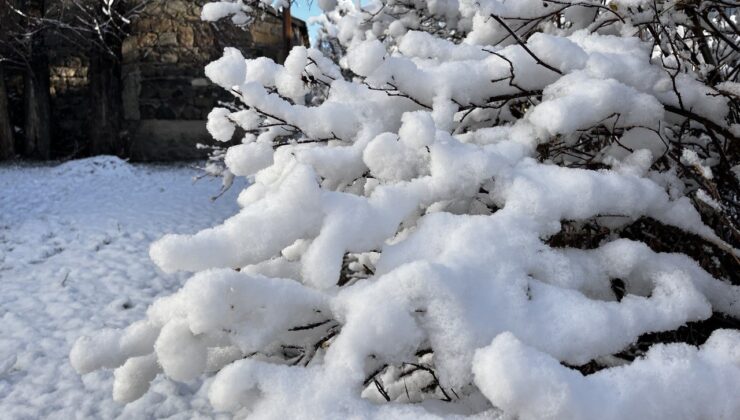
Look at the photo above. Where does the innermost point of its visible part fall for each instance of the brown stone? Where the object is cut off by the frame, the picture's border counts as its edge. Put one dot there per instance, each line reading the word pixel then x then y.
pixel 130 49
pixel 167 39
pixel 148 40
pixel 186 36
pixel 169 58
pixel 176 7
pixel 161 25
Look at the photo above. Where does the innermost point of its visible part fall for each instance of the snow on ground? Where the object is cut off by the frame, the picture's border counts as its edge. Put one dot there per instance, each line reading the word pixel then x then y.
pixel 74 242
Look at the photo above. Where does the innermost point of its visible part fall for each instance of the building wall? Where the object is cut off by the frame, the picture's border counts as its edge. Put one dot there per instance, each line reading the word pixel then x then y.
pixel 165 95
pixel 164 85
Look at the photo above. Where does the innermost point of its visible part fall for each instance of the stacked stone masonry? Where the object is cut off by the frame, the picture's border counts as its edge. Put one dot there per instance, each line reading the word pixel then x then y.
pixel 165 95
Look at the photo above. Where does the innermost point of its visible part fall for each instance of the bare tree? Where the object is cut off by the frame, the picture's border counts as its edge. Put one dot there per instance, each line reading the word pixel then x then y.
pixel 7 142
pixel 98 27
pixel 25 38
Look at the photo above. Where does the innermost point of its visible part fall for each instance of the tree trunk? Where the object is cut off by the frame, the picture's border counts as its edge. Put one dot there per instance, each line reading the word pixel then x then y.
pixel 7 145
pixel 37 106
pixel 106 105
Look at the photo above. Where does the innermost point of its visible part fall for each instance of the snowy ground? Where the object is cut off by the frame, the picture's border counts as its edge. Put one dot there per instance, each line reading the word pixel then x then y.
pixel 74 243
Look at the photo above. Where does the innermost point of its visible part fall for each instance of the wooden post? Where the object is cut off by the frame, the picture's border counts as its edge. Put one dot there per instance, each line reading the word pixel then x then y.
pixel 287 32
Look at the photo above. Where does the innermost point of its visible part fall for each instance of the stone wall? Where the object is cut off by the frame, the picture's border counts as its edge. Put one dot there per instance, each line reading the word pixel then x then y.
pixel 163 74
pixel 165 95
pixel 163 61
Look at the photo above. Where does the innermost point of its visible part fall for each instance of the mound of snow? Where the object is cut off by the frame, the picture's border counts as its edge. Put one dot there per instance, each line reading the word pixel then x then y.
pixel 94 167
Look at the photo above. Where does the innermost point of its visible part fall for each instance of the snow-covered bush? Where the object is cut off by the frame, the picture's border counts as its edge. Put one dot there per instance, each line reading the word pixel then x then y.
pixel 479 213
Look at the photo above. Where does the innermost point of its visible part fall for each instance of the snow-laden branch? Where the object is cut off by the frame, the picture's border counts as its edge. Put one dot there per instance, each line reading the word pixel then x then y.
pixel 404 238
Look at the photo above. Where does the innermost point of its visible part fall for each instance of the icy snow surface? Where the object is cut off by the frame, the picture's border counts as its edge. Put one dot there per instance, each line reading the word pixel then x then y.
pixel 74 243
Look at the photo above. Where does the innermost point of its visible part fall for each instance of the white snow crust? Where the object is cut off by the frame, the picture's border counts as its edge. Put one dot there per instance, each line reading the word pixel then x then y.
pixel 73 260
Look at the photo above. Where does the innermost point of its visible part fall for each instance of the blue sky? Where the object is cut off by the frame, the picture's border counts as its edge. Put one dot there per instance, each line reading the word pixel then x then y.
pixel 303 9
